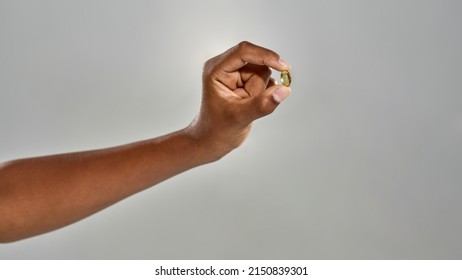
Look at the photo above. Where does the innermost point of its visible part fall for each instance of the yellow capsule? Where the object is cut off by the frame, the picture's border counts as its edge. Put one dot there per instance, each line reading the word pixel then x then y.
pixel 285 78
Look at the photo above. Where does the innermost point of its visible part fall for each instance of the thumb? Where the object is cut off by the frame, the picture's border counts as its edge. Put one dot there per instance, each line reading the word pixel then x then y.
pixel 264 103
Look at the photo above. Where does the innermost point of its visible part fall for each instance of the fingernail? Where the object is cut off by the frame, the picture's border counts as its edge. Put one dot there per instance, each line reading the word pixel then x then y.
pixel 281 93
pixel 284 63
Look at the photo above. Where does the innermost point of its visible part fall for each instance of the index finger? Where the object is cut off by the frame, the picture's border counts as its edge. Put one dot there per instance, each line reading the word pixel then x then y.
pixel 246 52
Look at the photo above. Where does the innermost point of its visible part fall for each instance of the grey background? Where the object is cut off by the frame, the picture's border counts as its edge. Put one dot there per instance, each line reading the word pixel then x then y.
pixel 363 161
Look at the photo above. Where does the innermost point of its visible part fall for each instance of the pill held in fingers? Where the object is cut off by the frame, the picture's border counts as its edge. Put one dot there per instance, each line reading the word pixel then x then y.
pixel 286 79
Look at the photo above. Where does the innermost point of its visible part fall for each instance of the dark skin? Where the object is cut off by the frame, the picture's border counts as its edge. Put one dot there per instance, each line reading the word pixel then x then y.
pixel 42 194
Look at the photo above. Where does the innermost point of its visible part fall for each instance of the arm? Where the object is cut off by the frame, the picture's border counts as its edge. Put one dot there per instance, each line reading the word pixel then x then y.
pixel 41 194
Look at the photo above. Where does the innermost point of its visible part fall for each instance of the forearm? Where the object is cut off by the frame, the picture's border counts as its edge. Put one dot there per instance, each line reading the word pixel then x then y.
pixel 41 194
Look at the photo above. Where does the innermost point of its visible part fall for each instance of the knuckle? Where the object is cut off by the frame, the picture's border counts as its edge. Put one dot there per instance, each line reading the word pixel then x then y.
pixel 243 44
pixel 210 66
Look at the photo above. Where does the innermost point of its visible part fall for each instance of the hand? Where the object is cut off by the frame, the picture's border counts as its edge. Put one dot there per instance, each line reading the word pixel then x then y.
pixel 45 193
pixel 237 89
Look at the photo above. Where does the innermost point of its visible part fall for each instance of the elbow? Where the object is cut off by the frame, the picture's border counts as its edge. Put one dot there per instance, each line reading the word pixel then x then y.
pixel 6 240
pixel 6 235
pixel 11 227
pixel 11 232
pixel 8 221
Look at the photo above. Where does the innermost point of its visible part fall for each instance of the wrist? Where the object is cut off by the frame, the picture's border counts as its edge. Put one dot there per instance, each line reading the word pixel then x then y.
pixel 207 146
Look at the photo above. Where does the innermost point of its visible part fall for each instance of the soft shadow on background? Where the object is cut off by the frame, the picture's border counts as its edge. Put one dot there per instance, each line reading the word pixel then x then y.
pixel 363 161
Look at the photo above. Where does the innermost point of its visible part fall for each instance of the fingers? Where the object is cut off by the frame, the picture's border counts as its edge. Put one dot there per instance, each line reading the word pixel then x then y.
pixel 255 78
pixel 245 52
pixel 271 82
pixel 244 71
pixel 264 103
pixel 281 93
